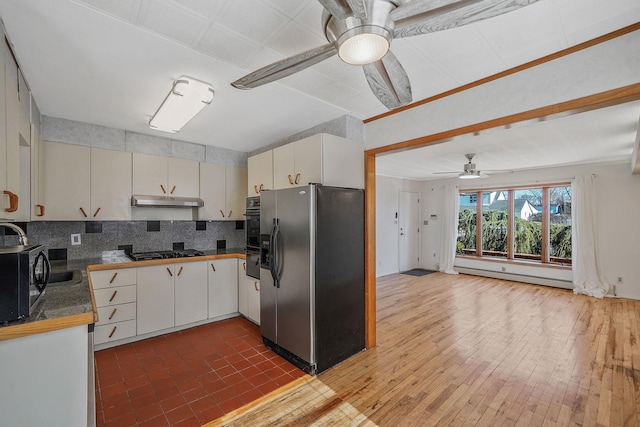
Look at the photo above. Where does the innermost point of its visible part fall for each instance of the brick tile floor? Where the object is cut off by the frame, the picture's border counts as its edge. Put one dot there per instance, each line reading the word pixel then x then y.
pixel 187 378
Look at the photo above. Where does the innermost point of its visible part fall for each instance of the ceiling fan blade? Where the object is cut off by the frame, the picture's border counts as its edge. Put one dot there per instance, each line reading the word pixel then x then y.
pixel 388 81
pixel 428 16
pixel 342 9
pixel 286 67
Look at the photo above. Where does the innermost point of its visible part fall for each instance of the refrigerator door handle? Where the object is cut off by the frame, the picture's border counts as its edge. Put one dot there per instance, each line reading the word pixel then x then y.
pixel 273 251
pixel 279 256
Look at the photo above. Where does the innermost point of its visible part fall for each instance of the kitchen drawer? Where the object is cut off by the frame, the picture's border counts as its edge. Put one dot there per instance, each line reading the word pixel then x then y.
pixel 116 313
pixel 114 331
pixel 115 296
pixel 111 278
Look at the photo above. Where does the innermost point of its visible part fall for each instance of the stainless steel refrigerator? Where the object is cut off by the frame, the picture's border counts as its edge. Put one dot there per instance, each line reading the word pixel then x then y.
pixel 312 274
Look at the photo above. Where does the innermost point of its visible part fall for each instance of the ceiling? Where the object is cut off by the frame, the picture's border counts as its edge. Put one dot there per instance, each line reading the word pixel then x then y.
pixel 112 62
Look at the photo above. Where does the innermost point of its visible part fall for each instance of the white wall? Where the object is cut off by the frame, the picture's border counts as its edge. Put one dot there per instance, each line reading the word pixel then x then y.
pixel 619 229
pixel 387 203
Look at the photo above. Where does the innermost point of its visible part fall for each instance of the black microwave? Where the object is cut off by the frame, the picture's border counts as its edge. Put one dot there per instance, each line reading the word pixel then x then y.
pixel 24 274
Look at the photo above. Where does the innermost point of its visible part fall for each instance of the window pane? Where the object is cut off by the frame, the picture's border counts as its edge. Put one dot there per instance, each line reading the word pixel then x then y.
pixel 495 205
pixel 528 224
pixel 467 224
pixel 560 228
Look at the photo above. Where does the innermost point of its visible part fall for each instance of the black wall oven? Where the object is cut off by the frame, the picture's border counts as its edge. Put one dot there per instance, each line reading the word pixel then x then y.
pixel 252 244
pixel 24 274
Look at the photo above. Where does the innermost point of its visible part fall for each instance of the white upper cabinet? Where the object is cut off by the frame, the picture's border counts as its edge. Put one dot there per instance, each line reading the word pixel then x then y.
pixel 82 183
pixel 66 171
pixel 223 190
pixel 110 185
pixel 260 174
pixel 324 159
pixel 162 176
pixel 12 118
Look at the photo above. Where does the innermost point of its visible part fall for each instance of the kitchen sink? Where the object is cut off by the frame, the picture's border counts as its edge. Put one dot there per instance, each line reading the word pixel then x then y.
pixel 73 276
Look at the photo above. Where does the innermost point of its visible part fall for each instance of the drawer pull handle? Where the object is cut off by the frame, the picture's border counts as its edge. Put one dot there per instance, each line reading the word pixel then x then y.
pixel 113 296
pixel 297 178
pixel 113 277
pixel 180 271
pixel 221 213
pixel 13 201
pixel 169 271
pixel 244 266
pixel 229 216
pixel 41 210
pixel 290 179
pixel 163 190
pixel 255 285
pixel 213 267
pixel 113 313
pixel 255 188
pixel 84 214
pixel 261 186
pixel 96 212
pixel 113 331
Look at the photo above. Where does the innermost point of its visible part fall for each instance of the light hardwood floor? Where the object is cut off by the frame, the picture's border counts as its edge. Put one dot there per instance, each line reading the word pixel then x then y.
pixel 465 350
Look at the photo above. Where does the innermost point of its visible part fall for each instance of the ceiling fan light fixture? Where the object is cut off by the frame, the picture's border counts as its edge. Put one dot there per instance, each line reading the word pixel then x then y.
pixel 364 45
pixel 469 175
pixel 187 97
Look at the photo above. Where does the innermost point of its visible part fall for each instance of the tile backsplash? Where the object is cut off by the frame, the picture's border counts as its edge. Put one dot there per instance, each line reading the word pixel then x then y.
pixel 96 237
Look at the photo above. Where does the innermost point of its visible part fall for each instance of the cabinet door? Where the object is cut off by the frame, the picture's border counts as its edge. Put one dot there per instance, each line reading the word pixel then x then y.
pixel 66 179
pixel 308 160
pixel 110 185
pixel 235 192
pixel 260 173
pixel 190 292
pixel 150 174
pixel 3 133
pixel 184 178
pixel 212 191
pixel 253 300
pixel 223 287
pixel 10 160
pixel 283 166
pixel 155 300
pixel 243 287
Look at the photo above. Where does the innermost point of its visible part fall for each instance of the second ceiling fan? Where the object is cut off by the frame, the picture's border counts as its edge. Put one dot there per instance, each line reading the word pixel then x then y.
pixel 360 33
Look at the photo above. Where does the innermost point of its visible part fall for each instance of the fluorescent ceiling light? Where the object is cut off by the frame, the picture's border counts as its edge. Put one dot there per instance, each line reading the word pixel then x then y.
pixel 187 97
pixel 363 45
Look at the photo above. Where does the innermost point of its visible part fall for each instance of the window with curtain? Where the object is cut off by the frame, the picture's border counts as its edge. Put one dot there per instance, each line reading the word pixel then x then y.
pixel 530 224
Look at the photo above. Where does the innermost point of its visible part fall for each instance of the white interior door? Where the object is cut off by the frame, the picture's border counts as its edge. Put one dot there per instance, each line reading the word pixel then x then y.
pixel 409 238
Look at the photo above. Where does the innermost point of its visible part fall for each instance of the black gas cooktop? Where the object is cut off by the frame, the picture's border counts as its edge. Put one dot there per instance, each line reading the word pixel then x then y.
pixel 182 253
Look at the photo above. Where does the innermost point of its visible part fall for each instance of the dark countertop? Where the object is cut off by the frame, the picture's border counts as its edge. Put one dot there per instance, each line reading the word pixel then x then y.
pixel 74 297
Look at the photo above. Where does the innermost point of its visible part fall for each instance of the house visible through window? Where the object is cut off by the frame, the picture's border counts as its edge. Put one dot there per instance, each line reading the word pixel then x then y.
pixel 528 224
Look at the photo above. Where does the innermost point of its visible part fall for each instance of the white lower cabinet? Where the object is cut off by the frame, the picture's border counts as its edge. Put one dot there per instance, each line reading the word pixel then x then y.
pixel 223 287
pixel 156 299
pixel 143 300
pixel 253 300
pixel 190 292
pixel 115 296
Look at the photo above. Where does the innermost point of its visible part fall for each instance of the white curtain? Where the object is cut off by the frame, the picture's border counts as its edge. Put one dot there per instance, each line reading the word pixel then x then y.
pixel 584 235
pixel 449 230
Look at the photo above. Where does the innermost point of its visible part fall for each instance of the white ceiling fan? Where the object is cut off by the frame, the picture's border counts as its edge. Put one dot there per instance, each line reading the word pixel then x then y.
pixel 469 170
pixel 361 31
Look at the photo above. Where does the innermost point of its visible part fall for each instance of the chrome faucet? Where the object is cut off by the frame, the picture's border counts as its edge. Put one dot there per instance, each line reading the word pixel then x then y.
pixel 22 237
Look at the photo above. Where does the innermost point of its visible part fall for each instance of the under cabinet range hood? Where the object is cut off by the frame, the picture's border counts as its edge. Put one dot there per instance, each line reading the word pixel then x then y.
pixel 166 201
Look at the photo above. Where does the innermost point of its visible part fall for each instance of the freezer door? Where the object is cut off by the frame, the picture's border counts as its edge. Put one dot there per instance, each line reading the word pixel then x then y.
pixel 295 294
pixel 268 296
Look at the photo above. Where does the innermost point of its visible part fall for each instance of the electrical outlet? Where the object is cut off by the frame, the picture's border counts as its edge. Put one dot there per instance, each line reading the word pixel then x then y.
pixel 75 239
